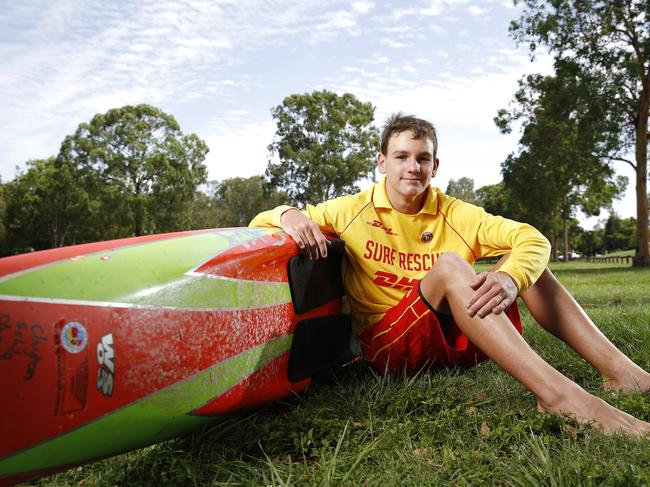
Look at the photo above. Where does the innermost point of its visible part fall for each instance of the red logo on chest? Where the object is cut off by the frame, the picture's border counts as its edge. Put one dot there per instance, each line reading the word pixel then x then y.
pixel 378 224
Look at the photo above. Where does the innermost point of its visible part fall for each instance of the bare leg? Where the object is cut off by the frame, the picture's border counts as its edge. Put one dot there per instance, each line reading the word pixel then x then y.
pixel 556 311
pixel 446 287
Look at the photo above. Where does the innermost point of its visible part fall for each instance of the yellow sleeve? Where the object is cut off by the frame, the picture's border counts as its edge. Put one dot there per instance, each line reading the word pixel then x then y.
pixel 318 214
pixel 269 218
pixel 529 249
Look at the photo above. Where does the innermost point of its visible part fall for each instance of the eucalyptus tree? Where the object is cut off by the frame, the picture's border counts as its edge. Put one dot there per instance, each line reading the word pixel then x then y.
pixel 562 164
pixel 609 40
pixel 324 145
pixel 139 168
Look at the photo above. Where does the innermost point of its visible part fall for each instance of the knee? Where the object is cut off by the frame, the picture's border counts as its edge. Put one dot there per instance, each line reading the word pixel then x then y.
pixel 450 263
pixel 448 267
pixel 448 271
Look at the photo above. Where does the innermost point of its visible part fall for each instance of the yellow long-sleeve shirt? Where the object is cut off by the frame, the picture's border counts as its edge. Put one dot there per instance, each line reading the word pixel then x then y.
pixel 387 250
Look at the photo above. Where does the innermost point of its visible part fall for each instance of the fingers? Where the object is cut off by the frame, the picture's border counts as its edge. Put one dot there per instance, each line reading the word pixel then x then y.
pixel 478 285
pixel 478 280
pixel 305 233
pixel 315 242
pixel 496 292
pixel 489 301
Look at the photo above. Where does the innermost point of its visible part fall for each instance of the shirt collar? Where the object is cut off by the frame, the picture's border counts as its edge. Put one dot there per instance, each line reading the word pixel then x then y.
pixel 380 198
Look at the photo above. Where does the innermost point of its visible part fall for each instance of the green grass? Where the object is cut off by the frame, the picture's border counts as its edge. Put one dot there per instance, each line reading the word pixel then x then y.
pixel 457 426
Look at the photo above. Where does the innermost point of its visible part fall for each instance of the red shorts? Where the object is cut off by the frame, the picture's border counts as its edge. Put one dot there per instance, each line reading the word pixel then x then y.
pixel 412 336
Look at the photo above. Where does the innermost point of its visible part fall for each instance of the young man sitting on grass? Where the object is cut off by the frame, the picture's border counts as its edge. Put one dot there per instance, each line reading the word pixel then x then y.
pixel 417 301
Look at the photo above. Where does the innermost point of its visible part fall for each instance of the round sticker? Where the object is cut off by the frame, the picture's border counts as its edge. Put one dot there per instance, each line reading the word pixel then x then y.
pixel 74 337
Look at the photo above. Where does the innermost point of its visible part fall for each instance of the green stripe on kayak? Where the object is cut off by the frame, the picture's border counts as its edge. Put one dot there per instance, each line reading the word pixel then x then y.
pixel 160 416
pixel 150 274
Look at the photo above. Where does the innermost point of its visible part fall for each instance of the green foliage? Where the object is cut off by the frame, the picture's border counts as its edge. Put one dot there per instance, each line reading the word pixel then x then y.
pixel 618 233
pixel 323 145
pixel 201 209
pixel 562 164
pixel 238 200
pixel 589 242
pixel 139 167
pixel 610 41
pixel 463 189
pixel 46 207
pixel 498 199
pixel 3 228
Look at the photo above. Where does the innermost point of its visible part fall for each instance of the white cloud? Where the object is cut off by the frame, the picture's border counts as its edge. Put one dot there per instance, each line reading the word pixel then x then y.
pixel 219 65
pixel 393 43
pixel 363 7
pixel 378 58
pixel 432 10
pixel 476 10
pixel 400 13
pixel 408 67
pixel 239 153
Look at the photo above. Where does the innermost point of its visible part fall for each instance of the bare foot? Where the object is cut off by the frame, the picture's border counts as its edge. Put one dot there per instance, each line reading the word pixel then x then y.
pixel 587 408
pixel 637 380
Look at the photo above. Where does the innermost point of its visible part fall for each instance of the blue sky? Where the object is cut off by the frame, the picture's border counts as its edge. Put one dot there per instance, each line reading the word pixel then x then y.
pixel 220 66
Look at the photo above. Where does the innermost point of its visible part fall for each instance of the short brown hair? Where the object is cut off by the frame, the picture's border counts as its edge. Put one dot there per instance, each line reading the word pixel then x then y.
pixel 398 123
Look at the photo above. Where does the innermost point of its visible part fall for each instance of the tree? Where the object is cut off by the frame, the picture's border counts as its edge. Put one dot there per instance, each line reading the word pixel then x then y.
pixel 497 199
pixel 324 144
pixel 3 227
pixel 202 208
pixel 618 233
pixel 238 200
pixel 46 207
pixel 590 242
pixel 609 39
pixel 560 166
pixel 463 189
pixel 139 167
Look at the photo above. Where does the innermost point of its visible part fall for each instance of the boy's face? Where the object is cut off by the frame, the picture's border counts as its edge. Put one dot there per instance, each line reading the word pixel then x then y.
pixel 408 165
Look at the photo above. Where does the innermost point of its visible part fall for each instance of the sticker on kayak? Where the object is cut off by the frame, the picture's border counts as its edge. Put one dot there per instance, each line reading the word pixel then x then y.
pixel 106 361
pixel 74 337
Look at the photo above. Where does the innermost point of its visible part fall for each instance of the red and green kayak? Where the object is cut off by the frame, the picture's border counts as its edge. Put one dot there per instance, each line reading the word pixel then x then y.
pixel 111 346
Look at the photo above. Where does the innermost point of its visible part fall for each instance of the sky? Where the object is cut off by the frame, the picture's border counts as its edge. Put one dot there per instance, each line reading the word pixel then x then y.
pixel 220 66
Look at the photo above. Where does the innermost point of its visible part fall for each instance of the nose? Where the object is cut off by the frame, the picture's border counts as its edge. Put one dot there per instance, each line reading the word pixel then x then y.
pixel 413 164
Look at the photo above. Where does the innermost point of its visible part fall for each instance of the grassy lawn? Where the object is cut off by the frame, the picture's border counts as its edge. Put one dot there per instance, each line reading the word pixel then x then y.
pixel 472 426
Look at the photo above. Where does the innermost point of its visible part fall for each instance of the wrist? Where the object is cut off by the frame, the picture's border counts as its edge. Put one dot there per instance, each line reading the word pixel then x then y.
pixel 285 212
pixel 512 279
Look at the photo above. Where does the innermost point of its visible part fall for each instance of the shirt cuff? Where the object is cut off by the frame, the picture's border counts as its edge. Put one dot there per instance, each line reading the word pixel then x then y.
pixel 277 214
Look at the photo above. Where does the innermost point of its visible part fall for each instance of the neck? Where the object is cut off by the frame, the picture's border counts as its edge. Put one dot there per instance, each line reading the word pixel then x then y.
pixel 405 204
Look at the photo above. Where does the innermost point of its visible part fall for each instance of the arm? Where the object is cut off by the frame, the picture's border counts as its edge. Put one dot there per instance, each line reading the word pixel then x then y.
pixel 528 251
pixel 304 227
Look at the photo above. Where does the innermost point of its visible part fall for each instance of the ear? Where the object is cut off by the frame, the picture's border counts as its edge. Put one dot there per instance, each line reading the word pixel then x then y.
pixel 381 163
pixel 436 162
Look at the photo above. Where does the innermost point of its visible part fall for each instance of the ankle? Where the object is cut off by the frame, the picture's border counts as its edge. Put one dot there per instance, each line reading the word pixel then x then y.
pixel 561 399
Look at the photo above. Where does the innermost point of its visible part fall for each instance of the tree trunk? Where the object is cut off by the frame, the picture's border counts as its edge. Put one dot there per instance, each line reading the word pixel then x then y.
pixel 139 217
pixel 642 255
pixel 139 211
pixel 565 243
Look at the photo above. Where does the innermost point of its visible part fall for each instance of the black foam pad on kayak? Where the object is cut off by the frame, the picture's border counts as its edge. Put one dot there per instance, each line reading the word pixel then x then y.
pixel 320 345
pixel 316 282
